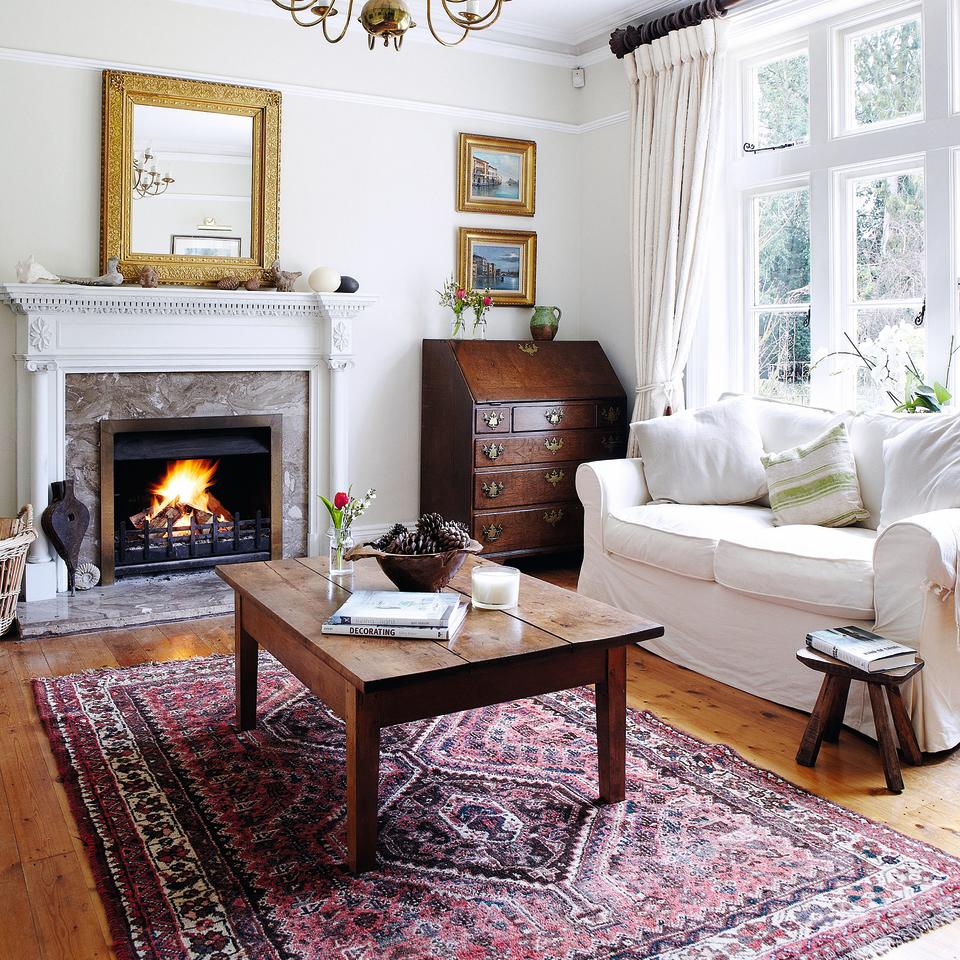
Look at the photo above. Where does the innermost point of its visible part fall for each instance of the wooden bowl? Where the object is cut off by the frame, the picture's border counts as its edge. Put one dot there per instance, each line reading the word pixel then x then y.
pixel 418 573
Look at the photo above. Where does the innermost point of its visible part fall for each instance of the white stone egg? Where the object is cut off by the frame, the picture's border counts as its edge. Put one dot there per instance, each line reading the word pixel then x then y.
pixel 324 280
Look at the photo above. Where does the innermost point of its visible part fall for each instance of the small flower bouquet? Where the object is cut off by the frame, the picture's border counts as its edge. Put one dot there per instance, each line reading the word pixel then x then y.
pixel 343 510
pixel 480 301
pixel 457 299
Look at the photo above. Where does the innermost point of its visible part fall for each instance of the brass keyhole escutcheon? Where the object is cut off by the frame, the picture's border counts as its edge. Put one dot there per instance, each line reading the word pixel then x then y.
pixel 492 532
pixel 554 477
pixel 554 444
pixel 610 443
pixel 529 348
pixel 493 420
pixel 492 489
pixel 555 416
pixel 553 517
pixel 493 451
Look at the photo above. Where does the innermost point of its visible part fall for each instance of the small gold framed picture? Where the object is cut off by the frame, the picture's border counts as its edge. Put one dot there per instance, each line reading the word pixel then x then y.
pixel 497 175
pixel 501 261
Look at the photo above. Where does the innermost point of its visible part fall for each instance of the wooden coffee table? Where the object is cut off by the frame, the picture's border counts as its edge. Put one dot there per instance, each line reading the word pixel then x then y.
pixel 554 640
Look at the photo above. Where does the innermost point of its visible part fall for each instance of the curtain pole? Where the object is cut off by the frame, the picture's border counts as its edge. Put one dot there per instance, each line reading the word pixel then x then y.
pixel 627 39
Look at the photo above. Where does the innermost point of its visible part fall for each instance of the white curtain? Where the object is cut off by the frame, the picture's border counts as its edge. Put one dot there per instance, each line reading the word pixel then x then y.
pixel 676 86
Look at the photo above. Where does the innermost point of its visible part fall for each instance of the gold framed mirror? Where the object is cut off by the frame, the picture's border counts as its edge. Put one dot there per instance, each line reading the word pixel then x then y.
pixel 190 178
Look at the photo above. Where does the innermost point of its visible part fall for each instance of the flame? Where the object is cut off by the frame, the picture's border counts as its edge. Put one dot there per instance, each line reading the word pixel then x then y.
pixel 186 483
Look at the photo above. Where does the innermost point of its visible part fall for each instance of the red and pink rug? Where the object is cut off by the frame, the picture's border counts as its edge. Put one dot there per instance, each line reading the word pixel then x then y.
pixel 211 844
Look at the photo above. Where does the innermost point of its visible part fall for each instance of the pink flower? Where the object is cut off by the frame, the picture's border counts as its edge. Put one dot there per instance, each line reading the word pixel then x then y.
pixel 461 294
pixel 341 500
pixel 487 301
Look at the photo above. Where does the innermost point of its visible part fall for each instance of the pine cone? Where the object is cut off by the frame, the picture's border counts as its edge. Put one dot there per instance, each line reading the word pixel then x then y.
pixel 388 541
pixel 430 524
pixel 453 536
pixel 405 543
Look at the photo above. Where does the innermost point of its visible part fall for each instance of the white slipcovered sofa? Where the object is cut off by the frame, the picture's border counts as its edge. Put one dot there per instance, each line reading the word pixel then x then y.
pixel 737 594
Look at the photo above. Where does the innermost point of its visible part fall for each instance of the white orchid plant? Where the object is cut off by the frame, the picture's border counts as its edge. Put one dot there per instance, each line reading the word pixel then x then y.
pixel 889 365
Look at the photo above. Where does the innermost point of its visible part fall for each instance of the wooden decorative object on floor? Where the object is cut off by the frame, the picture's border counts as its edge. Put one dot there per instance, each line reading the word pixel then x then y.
pixel 16 535
pixel 827 716
pixel 504 426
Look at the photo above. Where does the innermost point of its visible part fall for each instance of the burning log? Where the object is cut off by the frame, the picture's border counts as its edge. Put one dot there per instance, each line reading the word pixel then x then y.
pixel 183 493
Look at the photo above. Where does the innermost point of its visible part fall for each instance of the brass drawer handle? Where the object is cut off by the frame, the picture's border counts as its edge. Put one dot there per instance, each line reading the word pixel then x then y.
pixel 492 533
pixel 610 443
pixel 554 444
pixel 555 416
pixel 553 517
pixel 492 489
pixel 493 451
pixel 554 478
pixel 529 348
pixel 610 414
pixel 493 420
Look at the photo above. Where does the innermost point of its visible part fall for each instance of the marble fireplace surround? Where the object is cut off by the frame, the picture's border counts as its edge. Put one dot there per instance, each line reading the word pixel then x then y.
pixel 83 352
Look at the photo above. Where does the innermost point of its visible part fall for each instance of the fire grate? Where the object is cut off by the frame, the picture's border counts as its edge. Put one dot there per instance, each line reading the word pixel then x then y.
pixel 139 550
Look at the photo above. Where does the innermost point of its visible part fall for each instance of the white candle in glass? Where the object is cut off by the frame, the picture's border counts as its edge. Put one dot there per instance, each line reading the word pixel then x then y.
pixel 495 587
pixel 473 6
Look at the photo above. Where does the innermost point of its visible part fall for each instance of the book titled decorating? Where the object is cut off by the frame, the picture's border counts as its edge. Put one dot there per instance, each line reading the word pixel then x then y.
pixel 862 649
pixel 388 613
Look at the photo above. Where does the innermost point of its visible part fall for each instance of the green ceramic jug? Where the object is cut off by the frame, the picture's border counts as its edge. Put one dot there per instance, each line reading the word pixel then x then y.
pixel 545 322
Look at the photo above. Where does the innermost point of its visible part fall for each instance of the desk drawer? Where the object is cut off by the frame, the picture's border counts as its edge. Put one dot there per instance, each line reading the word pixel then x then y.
pixel 492 419
pixel 554 416
pixel 529 528
pixel 550 447
pixel 495 489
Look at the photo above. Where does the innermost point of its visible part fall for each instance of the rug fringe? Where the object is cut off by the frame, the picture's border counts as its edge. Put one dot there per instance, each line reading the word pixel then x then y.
pixel 911 933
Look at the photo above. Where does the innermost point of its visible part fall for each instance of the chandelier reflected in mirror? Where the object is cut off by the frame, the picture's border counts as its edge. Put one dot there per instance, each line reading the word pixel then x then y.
pixel 147 179
pixel 386 19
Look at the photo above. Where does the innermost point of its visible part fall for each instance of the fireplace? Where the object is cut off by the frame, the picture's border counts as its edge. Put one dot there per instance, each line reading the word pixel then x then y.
pixel 180 494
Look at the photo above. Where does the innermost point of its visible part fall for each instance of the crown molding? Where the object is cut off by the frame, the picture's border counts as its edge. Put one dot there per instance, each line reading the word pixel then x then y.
pixel 302 90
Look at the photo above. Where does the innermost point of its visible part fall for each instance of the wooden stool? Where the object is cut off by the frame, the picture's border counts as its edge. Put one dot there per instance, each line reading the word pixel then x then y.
pixel 827 716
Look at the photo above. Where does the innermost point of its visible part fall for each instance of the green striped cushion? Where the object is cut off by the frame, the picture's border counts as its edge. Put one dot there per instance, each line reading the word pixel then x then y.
pixel 816 482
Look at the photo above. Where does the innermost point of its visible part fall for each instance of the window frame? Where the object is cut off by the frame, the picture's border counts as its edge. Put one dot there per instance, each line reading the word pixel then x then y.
pixel 751 310
pixel 748 102
pixel 844 35
pixel 846 303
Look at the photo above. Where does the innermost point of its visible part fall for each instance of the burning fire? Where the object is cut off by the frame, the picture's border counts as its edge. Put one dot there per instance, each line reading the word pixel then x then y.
pixel 183 492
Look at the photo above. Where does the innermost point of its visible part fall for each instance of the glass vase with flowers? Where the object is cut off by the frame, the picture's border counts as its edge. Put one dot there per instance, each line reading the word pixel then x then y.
pixel 343 510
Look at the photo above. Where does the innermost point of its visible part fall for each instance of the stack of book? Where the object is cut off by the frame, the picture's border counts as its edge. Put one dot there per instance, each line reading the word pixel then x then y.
pixel 862 649
pixel 389 613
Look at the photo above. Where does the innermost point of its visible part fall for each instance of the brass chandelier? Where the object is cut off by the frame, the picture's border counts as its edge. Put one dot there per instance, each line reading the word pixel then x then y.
pixel 383 19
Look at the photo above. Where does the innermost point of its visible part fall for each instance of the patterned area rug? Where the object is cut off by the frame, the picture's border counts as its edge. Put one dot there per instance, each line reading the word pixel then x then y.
pixel 209 844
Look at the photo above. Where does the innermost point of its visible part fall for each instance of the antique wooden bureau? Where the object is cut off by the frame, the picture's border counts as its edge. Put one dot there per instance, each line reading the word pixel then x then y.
pixel 504 426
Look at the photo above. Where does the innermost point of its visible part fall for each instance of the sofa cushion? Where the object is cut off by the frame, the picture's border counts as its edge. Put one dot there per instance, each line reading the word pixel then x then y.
pixel 681 538
pixel 815 482
pixel 783 425
pixel 868 431
pixel 828 570
pixel 921 469
pixel 706 456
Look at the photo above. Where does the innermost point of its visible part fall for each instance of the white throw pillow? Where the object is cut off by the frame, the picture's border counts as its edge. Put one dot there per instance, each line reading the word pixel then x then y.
pixel 710 455
pixel 921 469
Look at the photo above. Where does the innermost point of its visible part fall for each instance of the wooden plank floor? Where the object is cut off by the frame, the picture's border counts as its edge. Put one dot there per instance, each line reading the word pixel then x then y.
pixel 50 907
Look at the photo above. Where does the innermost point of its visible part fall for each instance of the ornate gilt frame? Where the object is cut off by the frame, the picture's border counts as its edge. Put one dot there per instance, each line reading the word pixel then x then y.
pixel 121 91
pixel 526 205
pixel 524 297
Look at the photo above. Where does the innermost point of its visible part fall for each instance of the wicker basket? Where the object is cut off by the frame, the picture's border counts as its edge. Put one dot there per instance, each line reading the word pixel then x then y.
pixel 16 535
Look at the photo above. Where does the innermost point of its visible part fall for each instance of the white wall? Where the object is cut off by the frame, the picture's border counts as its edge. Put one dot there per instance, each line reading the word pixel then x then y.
pixel 368 183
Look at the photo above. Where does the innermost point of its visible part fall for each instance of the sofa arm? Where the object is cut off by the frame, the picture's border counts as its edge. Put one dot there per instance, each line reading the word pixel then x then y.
pixel 607 485
pixel 911 558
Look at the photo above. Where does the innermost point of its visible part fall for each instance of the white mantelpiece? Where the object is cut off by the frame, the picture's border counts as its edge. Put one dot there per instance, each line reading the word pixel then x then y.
pixel 66 328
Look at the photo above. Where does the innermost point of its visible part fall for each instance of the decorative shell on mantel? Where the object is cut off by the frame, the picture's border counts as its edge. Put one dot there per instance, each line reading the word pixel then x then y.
pixel 87 576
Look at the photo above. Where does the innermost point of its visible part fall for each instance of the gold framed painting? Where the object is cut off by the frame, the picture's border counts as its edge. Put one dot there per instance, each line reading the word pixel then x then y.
pixel 497 175
pixel 501 261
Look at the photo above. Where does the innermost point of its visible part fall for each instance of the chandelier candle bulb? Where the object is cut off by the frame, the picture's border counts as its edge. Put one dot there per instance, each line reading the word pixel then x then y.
pixel 495 588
